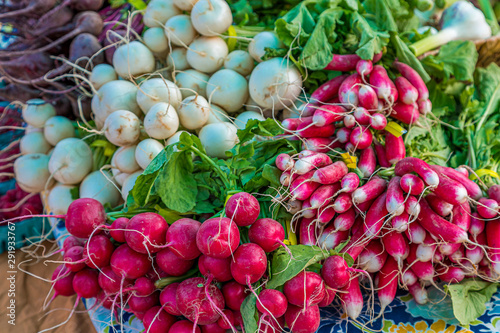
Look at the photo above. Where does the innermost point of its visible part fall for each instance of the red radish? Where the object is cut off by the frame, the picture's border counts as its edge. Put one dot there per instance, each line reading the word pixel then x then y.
pixel 438 205
pixel 330 174
pixel 157 321
pixel 381 155
pixel 493 240
pixel 181 238
pixel 387 283
pixel 307 210
pixel 487 208
pixel 307 232
pixel 323 195
pixel 423 270
pixel 83 216
pixel 349 182
pixel 343 63
pixel 413 164
pixel 415 232
pixel 129 263
pixel 412 206
pixel 362 116
pixel 63 282
pixel 197 302
pixel 395 245
pixel 412 76
pixel 424 107
pixel 348 91
pixel 349 121
pixel 325 215
pixel 449 248
pixel 384 87
pixel 476 225
pixel 458 256
pixel 364 68
pixel 368 98
pixel 117 229
pixel 462 216
pixel 98 251
pixel 219 269
pixel 302 320
pixel 242 208
pixel 328 114
pixel 328 90
pixel 408 278
pixel 493 193
pixel 226 322
pixel 291 124
pixel 419 293
pixel 284 162
pixel 111 282
pixel 367 161
pixel 405 113
pixel 146 232
pixel 373 257
pixel 330 238
pixel 475 253
pixel 305 289
pixel 272 302
pixel 343 203
pixel 408 94
pixel 473 190
pixel 425 251
pixel 361 137
pixel 312 162
pixel 302 187
pixel 285 178
pixel 270 325
pixel 218 237
pixel 439 227
pixel 307 131
pixel 329 297
pixel 395 200
pixel 71 241
pixel 267 233
pixel 352 300
pixel 142 287
pixel 167 299
pixel 450 190
pixel 249 263
pixel 321 145
pixel 234 294
pixel 378 121
pixel 395 149
pixel 369 191
pixel 451 274
pixel 212 328
pixel 172 264
pixel 85 283
pixel 335 272
pixel 400 223
pixel 184 326
pixel 344 221
pixel 343 134
pixel 412 184
pixel 375 217
pixel 73 259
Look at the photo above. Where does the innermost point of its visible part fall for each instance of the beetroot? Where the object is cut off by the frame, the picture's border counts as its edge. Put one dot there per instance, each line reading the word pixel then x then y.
pixel 243 208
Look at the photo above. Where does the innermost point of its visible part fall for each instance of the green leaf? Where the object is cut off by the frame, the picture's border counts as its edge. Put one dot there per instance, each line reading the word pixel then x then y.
pixel 370 40
pixel 75 192
pixel 143 187
pixel 272 174
pixel 248 312
pixel 406 56
pixel 469 299
pixel 488 90
pixel 283 267
pixel 268 127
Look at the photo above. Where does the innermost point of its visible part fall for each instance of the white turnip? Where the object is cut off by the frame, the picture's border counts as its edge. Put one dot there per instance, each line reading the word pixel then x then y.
pixel 207 54
pixel 227 89
pixel 161 122
pixel 218 138
pixel 122 128
pixel 158 90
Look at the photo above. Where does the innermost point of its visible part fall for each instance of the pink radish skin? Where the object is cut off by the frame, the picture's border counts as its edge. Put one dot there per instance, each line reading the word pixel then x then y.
pixel 413 164
pixel 425 251
pixel 364 68
pixel 349 182
pixel 242 208
pixel 268 324
pixel 330 174
pixel 474 253
pixel 272 302
pixel 308 163
pixel 352 299
pixel 305 289
pixel 343 203
pixel 63 282
pixel 424 107
pixel 349 121
pixel 458 256
pixel 307 211
pixel 408 278
pixel 85 283
pixel 285 178
pixel 438 205
pixel 412 206
pixel 375 217
pixel 146 232
pixel 335 272
pixel 219 269
pixel 419 293
pixel 408 94
pixel 476 225
pixel 111 282
pixel 368 98
pixel 329 297
pixel 330 238
pixel 451 274
pixel 115 232
pixel 328 90
pixel 462 216
pixel 412 184
pixel 307 131
pixel 73 259
pixel 344 221
pixel 228 321
pixel 388 283
pixel 395 200
pixel 249 263
pixel 373 257
pixel 267 233
pixel 302 187
pixel 378 121
pixel 328 114
pixel 473 190
pixel 157 321
pixel 493 193
pixel 291 124
pixel 463 171
pixel 414 79
pixel 343 63
pixel 184 326
pixel 218 237
pixel 407 114
pixel 381 155
pixel 234 294
pixel 343 134
pixel 450 191
pixel 167 299
pixel 395 245
pixel 423 270
pixel 302 320
pixel 415 233
pixel 449 248
pixel 361 137
pixel 400 223
pixel 362 116
pixel 487 208
pixel 181 238
pixel 395 149
pixel 323 195
pixel 321 145
pixel 348 91
pixel 325 215
pixel 284 162
pixel 83 216
pixel 371 190
pixel 367 162
pixel 439 227
pixel 493 240
pixel 129 263
pixel 98 251
pixel 307 232
pixel 384 87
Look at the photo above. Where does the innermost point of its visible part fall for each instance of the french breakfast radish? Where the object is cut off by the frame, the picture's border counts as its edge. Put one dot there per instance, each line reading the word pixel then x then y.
pixel 383 85
pixel 387 283
pixel 421 168
pixel 439 227
pixel 412 184
pixel 368 98
pixel 367 161
pixel 352 299
pixel 348 90
pixel 328 90
pixel 408 94
pixel 395 149
pixel 395 201
pixel 414 78
pixel 371 190
pixel 438 205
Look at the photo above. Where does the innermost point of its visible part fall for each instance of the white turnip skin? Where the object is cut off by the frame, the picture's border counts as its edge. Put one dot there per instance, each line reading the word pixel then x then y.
pixel 71 161
pixel 227 89
pixel 155 40
pixel 177 59
pixel 239 61
pixel 102 74
pixel 218 138
pixel 162 121
pixel 179 30
pixel 124 159
pixel 133 59
pixel 275 84
pixel 158 90
pixel 186 5
pixel 122 128
pixel 192 82
pixel 32 172
pixel 146 151
pixel 59 199
pixel 120 178
pixel 98 185
pixel 207 54
pixel 174 138
pixel 158 12
pixel 217 115
pixel 31 129
pixel 243 118
pixel 58 128
pixel 211 17
pixel 194 112
pixel 33 143
pixel 36 112
pixel 261 41
pixel 129 183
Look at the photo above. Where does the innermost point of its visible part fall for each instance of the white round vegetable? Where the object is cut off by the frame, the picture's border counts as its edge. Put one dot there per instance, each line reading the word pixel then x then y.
pixel 218 138
pixel 192 82
pixel 242 119
pixel 122 128
pixel 155 40
pixel 31 129
pixel 179 30
pixel 261 41
pixel 211 17
pixel 71 161
pixel 58 128
pixel 34 143
pixel 177 59
pixel 158 90
pixel 186 5
pixel 217 115
pixel 37 111
pixel 129 183
pixel 120 178
pixel 174 138
pixel 98 185
pixel 32 172
pixel 146 151
pixel 133 59
pixel 124 159
pixel 161 122
pixel 207 54
pixel 275 84
pixel 101 74
pixel 227 89
pixel 251 105
pixel 60 198
pixel 239 61
pixel 159 11
pixel 194 112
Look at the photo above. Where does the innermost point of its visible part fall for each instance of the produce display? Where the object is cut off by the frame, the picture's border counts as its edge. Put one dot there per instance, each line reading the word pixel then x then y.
pixel 249 166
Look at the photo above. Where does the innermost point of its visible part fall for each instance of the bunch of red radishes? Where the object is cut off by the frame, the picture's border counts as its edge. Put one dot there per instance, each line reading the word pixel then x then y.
pixel 421 224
